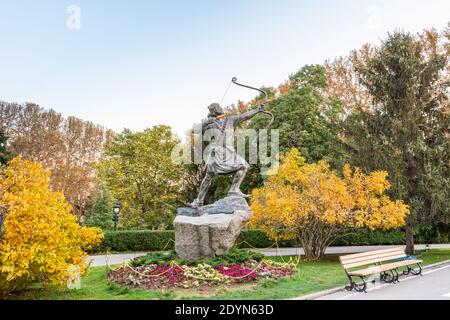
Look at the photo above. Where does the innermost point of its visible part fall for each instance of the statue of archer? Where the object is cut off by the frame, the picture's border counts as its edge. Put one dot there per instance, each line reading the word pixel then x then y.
pixel 222 157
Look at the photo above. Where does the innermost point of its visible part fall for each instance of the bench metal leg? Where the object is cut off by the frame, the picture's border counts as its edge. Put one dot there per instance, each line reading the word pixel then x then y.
pixel 388 277
pixel 358 287
pixel 396 275
pixel 413 271
pixel 418 272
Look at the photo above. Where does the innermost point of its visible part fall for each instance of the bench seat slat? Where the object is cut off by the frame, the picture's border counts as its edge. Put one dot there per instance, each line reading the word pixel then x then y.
pixel 384 267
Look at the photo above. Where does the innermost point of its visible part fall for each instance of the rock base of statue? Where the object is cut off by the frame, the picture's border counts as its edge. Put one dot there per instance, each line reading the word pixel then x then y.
pixel 210 230
pixel 228 205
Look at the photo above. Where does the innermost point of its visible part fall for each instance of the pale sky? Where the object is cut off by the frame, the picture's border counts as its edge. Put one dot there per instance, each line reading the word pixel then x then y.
pixel 135 64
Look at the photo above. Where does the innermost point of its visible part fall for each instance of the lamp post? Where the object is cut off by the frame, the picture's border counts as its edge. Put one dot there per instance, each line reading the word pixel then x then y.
pixel 116 210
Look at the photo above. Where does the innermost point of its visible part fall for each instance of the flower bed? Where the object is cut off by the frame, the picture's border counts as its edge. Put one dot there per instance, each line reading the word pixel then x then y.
pixel 173 275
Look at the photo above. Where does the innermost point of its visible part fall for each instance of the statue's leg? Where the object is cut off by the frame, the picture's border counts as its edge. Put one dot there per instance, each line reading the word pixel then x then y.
pixel 204 187
pixel 237 180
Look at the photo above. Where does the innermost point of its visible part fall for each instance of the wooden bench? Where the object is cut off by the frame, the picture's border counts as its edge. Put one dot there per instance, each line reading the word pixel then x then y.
pixel 385 262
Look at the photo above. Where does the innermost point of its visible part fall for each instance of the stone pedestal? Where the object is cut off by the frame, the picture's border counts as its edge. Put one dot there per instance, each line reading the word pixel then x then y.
pixel 210 230
pixel 227 205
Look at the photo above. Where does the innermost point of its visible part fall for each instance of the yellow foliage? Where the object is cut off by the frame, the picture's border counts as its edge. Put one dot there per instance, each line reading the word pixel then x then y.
pixel 310 198
pixel 41 240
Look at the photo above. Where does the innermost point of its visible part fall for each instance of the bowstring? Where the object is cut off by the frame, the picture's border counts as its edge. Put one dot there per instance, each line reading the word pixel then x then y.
pixel 226 91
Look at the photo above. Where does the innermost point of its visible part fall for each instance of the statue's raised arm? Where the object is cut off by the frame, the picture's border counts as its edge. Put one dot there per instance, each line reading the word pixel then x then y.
pixel 247 115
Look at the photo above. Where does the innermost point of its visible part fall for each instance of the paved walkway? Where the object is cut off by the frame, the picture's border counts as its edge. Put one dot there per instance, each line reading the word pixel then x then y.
pixel 433 285
pixel 102 260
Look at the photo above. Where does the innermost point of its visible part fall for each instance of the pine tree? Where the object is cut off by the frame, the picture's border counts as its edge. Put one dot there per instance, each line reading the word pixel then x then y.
pixel 102 211
pixel 406 133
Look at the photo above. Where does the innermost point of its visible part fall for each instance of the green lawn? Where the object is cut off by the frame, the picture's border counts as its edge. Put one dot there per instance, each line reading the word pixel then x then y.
pixel 312 277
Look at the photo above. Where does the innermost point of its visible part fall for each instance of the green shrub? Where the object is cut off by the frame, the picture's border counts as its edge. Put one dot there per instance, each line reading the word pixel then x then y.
pixel 159 258
pixel 231 257
pixel 366 237
pixel 234 256
pixel 256 238
pixel 149 240
pixel 438 234
pixel 137 240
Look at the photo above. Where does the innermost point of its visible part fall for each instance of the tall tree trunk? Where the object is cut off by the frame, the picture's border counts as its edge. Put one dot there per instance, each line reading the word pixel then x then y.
pixel 409 237
pixel 411 173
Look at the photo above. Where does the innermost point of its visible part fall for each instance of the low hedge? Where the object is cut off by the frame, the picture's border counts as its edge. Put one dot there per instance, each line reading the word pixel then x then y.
pixel 256 238
pixel 136 240
pixel 150 240
pixel 366 237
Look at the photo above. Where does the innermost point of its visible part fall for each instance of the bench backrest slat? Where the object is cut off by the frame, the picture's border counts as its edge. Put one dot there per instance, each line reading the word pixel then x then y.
pixel 368 253
pixel 371 257
pixel 386 256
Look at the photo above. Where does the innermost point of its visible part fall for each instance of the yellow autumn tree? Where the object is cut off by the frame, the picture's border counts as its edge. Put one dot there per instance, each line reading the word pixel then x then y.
pixel 313 204
pixel 41 241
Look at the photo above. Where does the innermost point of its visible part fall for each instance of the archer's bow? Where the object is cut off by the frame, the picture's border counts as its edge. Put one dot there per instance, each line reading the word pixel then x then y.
pixel 234 80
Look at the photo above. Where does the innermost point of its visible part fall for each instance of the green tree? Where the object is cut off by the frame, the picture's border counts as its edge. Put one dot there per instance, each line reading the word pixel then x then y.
pixel 407 132
pixel 308 121
pixel 5 155
pixel 102 211
pixel 140 173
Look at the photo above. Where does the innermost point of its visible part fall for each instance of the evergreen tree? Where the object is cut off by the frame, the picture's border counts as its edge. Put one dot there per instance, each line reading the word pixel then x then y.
pixel 307 120
pixel 102 211
pixel 406 132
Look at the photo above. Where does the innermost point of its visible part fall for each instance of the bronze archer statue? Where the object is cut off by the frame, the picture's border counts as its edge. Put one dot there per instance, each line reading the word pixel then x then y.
pixel 222 157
